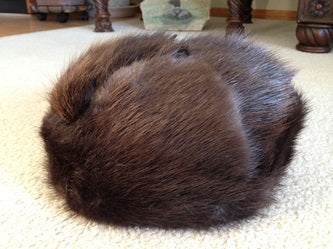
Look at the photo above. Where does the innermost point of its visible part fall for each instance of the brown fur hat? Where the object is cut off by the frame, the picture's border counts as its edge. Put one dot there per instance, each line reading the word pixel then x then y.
pixel 152 131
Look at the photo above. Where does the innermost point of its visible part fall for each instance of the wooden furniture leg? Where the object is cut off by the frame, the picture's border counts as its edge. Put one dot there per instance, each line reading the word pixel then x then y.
pixel 314 38
pixel 102 23
pixel 315 25
pixel 235 19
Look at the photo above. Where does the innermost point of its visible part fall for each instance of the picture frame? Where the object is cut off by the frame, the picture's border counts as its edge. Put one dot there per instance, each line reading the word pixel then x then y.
pixel 175 14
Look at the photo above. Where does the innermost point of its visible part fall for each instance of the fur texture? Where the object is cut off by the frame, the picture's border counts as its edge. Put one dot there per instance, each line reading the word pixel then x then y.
pixel 150 131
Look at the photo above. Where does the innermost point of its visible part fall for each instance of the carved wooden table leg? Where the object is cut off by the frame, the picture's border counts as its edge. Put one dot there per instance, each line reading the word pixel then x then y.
pixel 102 23
pixel 314 38
pixel 235 19
pixel 315 26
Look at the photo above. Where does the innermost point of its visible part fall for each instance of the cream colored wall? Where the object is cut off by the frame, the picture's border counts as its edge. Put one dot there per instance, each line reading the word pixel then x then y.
pixel 262 4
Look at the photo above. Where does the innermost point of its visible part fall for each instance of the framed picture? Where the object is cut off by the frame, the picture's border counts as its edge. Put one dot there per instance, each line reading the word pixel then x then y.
pixel 175 14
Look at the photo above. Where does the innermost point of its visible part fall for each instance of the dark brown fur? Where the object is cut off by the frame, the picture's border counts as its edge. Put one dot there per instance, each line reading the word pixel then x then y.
pixel 146 130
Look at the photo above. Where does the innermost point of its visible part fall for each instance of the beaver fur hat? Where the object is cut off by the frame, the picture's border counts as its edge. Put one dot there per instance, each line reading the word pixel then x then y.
pixel 150 130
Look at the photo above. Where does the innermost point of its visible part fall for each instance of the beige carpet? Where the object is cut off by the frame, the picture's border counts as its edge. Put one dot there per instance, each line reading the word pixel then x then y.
pixel 30 216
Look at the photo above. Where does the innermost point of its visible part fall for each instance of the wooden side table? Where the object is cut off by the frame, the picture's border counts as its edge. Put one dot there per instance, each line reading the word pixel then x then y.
pixel 315 25
pixel 314 21
pixel 239 12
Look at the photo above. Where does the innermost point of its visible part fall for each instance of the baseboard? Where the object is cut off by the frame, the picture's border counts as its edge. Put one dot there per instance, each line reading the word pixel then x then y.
pixel 259 13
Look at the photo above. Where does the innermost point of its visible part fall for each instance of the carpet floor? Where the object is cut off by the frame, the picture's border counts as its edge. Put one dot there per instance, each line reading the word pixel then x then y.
pixel 31 216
